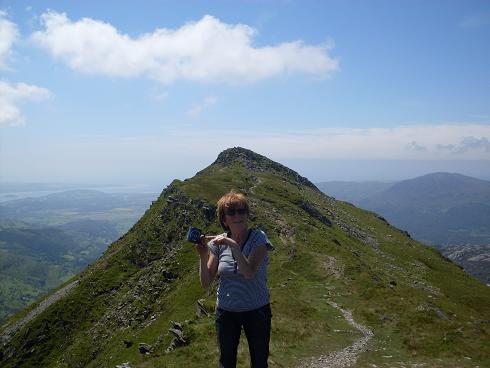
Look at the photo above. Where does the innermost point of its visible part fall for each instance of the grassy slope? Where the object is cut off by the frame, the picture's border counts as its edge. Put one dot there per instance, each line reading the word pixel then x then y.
pixel 403 291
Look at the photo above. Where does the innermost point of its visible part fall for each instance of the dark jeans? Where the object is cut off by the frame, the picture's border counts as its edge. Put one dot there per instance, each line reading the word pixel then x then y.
pixel 257 326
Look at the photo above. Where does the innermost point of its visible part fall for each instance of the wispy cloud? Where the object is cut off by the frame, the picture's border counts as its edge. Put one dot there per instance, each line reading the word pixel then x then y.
pixel 419 142
pixel 414 146
pixel 12 95
pixel 198 108
pixel 8 35
pixel 467 144
pixel 159 95
pixel 207 51
pixel 425 142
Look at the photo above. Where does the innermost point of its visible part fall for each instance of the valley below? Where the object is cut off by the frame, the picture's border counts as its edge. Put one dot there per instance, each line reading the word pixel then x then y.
pixel 47 239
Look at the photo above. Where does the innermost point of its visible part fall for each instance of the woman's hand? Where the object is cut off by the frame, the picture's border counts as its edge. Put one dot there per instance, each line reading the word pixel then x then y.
pixel 224 240
pixel 202 247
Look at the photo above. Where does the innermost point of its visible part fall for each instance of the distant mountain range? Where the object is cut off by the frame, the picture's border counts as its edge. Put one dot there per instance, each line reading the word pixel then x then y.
pixel 344 285
pixel 352 191
pixel 48 239
pixel 439 209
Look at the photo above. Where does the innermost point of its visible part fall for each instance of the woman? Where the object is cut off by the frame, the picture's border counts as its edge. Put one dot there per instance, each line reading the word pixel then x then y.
pixel 239 257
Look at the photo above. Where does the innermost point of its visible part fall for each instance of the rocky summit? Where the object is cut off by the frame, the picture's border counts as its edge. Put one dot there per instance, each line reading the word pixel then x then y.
pixel 347 289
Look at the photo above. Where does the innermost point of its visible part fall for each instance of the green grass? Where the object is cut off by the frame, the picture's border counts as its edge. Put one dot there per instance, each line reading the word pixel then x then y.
pixel 421 308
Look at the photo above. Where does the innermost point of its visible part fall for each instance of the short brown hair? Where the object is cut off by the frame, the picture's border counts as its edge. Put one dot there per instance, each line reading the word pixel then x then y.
pixel 231 200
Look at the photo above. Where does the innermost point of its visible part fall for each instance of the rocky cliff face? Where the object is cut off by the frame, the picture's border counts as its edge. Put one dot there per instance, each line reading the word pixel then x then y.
pixel 343 283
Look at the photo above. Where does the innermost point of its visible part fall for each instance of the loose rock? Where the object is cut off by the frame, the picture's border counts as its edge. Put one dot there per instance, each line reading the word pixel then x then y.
pixel 144 348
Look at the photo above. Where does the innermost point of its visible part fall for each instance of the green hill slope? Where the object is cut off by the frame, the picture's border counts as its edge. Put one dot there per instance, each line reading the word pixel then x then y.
pixel 330 258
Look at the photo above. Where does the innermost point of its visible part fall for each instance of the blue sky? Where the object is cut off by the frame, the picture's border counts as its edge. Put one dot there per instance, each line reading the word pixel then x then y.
pixel 143 92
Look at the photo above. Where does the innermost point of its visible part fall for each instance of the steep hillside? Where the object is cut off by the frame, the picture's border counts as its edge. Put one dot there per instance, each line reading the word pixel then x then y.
pixel 342 281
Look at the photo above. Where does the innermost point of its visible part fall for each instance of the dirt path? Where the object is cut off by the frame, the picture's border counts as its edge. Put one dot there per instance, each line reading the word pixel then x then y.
pixel 7 332
pixel 346 357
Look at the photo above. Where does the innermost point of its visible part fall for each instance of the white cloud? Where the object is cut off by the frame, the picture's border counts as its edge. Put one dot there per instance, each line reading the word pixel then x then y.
pixel 411 142
pixel 207 50
pixel 403 142
pixel 12 95
pixel 330 143
pixel 8 35
pixel 467 144
pixel 198 108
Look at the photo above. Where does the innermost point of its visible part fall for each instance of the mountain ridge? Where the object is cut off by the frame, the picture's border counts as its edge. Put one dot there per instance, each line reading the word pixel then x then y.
pixel 326 252
pixel 439 208
pixel 448 185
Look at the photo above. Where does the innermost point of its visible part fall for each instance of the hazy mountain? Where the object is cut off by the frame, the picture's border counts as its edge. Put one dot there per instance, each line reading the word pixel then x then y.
pixel 441 190
pixel 440 209
pixel 333 264
pixel 351 191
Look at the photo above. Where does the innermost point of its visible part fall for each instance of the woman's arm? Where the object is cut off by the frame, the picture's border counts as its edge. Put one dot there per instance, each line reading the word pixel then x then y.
pixel 250 265
pixel 208 264
pixel 208 269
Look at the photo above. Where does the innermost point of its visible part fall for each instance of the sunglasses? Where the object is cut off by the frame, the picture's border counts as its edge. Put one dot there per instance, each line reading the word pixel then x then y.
pixel 238 211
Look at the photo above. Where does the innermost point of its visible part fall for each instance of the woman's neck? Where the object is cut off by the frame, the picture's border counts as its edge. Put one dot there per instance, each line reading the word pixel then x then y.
pixel 240 236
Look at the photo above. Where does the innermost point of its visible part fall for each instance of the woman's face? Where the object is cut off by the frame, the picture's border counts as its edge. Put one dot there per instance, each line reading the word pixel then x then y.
pixel 236 219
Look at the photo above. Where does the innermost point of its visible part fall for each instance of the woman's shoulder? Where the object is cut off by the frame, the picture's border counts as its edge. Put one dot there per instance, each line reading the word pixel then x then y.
pixel 260 238
pixel 257 230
